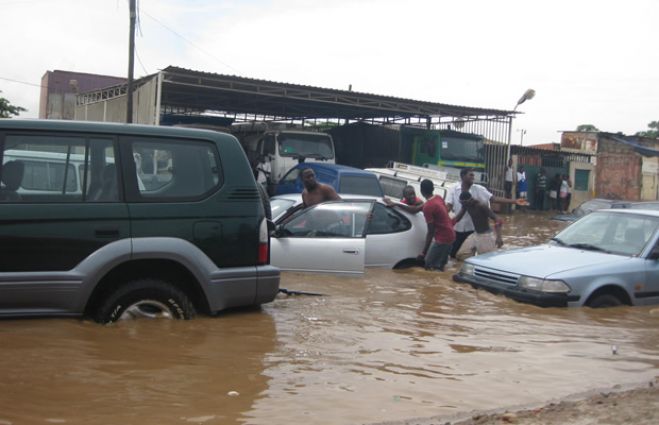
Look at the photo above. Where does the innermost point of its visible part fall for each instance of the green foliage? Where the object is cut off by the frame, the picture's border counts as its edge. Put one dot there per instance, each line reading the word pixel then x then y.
pixel 652 132
pixel 7 109
pixel 587 127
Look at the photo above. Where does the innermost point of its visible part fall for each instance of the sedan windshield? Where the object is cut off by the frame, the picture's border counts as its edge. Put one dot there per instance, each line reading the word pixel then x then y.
pixel 624 234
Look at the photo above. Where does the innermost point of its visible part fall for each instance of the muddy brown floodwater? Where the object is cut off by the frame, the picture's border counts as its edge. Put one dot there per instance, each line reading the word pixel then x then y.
pixel 386 346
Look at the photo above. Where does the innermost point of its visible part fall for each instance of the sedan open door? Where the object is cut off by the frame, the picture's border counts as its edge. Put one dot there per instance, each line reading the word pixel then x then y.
pixel 326 238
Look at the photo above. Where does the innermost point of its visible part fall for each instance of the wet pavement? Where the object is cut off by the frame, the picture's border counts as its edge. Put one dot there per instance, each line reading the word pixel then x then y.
pixel 386 346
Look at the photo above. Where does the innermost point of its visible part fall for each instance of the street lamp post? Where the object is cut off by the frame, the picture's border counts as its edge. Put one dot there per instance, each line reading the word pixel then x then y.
pixel 528 95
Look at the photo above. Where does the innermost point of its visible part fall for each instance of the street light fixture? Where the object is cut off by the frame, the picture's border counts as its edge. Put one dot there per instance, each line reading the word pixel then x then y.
pixel 528 95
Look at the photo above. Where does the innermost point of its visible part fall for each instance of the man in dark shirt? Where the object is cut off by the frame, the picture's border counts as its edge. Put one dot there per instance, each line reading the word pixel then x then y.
pixel 540 189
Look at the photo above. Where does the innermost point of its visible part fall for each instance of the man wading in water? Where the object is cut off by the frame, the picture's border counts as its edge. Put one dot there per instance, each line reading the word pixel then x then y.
pixel 484 240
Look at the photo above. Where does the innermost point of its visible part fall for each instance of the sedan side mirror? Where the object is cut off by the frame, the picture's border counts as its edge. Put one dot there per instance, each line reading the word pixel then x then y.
pixel 278 231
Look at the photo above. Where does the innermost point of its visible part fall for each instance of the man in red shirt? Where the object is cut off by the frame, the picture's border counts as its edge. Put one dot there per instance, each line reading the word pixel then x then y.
pixel 440 235
pixel 410 198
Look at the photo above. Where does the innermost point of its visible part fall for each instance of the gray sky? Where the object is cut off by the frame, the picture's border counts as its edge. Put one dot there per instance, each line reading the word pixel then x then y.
pixel 590 61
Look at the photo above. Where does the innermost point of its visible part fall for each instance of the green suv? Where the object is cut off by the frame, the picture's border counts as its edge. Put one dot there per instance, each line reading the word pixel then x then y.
pixel 117 221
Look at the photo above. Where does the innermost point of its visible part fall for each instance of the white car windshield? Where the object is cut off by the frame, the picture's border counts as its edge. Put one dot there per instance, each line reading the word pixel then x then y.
pixel 278 206
pixel 624 234
pixel 334 219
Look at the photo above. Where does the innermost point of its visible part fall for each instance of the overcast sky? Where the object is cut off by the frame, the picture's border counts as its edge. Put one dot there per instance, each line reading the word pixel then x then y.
pixel 590 61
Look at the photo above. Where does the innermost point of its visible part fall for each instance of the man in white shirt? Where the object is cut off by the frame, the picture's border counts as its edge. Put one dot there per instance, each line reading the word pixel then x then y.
pixel 508 180
pixel 263 170
pixel 465 226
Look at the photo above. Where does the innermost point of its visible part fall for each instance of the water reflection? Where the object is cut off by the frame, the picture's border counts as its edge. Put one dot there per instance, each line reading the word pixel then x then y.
pixel 389 345
pixel 73 372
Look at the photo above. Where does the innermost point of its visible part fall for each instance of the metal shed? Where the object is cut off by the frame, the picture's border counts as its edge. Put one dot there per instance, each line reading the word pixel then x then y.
pixel 179 91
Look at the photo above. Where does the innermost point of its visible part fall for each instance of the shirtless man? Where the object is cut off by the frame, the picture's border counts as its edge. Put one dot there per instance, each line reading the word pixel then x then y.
pixel 483 240
pixel 314 192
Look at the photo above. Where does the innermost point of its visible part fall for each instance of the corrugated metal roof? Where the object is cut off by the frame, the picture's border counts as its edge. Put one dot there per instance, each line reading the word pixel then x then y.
pixel 199 89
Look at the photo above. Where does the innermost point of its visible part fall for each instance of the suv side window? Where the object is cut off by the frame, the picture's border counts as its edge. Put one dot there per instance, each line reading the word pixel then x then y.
pixel 58 169
pixel 175 169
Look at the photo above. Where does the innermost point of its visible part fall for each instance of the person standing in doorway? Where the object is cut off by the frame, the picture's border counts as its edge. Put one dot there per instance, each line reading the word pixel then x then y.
pixel 554 189
pixel 508 179
pixel 522 185
pixel 263 171
pixel 440 234
pixel 565 193
pixel 540 189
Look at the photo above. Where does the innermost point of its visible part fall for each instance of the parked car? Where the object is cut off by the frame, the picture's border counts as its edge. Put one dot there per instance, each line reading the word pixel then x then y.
pixel 82 235
pixel 344 236
pixel 591 205
pixel 343 179
pixel 607 258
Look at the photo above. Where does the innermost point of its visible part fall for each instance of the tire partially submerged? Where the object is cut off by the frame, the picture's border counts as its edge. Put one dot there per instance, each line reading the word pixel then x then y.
pixel 145 299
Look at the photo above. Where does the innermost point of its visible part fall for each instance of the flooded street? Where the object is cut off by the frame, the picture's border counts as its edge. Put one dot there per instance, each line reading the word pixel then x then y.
pixel 386 346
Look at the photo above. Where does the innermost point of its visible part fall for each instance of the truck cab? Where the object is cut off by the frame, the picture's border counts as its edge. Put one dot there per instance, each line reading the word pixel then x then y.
pixel 286 148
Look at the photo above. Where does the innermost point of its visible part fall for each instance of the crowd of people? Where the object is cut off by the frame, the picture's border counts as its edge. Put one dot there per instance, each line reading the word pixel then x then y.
pixel 553 194
pixel 468 231
pixel 459 225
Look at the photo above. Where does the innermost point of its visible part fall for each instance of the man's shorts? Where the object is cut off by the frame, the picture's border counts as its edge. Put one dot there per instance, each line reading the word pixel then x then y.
pixel 477 243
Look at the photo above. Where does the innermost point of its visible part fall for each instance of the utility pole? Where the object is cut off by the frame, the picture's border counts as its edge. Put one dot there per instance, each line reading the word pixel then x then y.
pixel 131 55
pixel 522 132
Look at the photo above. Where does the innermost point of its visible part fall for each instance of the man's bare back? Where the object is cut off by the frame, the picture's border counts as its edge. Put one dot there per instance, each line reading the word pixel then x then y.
pixel 480 216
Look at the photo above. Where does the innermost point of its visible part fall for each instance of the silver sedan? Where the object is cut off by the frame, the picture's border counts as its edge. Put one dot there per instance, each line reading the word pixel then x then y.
pixel 607 258
pixel 343 236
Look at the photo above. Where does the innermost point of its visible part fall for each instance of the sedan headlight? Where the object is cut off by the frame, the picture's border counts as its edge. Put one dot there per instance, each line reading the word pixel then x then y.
pixel 543 285
pixel 467 269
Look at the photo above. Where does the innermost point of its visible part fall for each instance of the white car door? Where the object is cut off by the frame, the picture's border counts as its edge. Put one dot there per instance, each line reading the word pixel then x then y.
pixel 393 237
pixel 326 238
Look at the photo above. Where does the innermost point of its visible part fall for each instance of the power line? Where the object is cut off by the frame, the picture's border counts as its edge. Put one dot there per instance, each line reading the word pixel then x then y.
pixel 191 43
pixel 137 55
pixel 22 82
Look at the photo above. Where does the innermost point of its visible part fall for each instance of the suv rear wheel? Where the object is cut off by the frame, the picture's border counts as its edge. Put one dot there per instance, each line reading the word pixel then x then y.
pixel 145 299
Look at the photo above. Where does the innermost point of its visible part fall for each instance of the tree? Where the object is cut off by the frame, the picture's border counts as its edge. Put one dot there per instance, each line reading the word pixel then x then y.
pixel 652 132
pixel 7 109
pixel 587 127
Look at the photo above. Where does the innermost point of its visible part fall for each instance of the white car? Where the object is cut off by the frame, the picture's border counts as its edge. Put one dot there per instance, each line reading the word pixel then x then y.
pixel 343 236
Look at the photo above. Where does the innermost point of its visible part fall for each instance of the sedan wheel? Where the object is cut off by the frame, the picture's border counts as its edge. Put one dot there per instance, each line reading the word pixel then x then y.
pixel 604 300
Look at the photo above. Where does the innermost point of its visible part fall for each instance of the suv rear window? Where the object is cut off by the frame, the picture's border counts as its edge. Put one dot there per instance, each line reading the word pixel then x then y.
pixel 175 169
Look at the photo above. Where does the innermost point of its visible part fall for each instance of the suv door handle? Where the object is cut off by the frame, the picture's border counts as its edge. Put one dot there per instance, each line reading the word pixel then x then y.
pixel 106 233
pixel 351 251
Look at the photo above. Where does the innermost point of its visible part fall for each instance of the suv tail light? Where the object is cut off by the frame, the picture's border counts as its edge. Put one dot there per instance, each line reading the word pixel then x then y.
pixel 264 242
